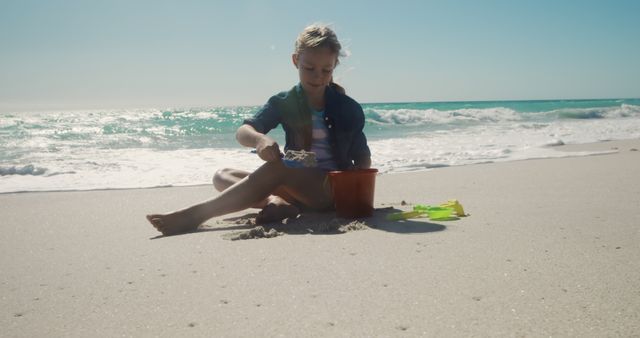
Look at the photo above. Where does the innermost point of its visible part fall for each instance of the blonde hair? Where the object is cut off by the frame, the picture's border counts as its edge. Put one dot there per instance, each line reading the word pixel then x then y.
pixel 319 36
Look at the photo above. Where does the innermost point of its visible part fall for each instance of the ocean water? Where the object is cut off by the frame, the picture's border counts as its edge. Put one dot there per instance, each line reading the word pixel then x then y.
pixel 111 149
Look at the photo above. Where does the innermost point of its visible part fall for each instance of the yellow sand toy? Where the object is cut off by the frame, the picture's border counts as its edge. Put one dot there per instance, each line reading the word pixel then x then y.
pixel 442 212
pixel 457 207
pixel 397 216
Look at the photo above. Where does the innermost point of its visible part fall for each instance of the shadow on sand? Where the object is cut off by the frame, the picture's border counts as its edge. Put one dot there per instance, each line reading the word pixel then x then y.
pixel 321 223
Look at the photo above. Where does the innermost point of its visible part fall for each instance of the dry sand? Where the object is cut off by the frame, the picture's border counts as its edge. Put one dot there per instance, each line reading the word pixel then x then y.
pixel 550 249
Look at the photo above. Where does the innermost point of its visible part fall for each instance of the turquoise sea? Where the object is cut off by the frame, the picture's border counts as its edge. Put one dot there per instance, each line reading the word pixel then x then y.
pixel 110 149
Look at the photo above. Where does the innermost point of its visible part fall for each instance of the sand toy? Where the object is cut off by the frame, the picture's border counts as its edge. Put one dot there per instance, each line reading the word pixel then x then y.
pixel 457 207
pixel 397 216
pixel 353 192
pixel 445 211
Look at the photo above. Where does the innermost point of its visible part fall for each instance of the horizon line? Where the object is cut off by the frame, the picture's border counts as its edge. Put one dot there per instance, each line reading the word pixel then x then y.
pixel 195 106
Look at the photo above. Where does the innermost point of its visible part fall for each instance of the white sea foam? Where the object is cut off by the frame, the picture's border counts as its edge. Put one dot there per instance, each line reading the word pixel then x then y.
pixel 129 168
pixel 622 111
pixel 435 116
pixel 494 143
pixel 150 148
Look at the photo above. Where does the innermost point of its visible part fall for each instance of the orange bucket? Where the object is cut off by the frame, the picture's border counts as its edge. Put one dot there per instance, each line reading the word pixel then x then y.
pixel 353 192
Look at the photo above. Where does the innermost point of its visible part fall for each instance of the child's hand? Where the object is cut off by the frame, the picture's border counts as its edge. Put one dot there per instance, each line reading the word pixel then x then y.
pixel 268 150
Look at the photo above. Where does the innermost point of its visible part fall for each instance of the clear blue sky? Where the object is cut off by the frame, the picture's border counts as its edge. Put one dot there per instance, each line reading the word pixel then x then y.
pixel 111 54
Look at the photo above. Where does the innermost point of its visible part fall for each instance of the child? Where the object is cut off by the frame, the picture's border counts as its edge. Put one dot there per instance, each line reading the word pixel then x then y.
pixel 316 116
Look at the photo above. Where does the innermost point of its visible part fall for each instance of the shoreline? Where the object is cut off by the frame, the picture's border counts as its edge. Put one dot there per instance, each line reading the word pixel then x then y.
pixel 550 248
pixel 607 147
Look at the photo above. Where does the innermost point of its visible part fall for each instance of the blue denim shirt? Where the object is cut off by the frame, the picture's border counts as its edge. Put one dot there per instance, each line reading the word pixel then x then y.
pixel 343 117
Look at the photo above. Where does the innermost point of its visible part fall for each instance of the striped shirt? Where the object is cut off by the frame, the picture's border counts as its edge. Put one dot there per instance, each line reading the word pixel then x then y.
pixel 320 142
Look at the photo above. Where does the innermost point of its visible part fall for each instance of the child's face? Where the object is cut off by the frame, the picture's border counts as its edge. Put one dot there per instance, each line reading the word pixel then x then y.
pixel 315 68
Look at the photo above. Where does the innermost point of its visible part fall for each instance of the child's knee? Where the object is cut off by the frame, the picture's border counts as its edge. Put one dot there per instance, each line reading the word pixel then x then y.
pixel 274 171
pixel 222 178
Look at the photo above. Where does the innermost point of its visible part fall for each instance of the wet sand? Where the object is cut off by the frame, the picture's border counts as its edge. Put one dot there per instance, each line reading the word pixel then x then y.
pixel 550 249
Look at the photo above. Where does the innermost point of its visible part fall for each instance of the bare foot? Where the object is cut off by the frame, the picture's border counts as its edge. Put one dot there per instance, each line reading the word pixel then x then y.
pixel 276 210
pixel 173 223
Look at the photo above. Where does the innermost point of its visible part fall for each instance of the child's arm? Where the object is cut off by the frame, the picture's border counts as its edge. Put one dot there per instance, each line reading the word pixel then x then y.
pixel 266 147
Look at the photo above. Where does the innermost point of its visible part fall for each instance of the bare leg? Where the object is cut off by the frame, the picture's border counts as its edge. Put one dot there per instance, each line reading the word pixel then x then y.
pixel 276 207
pixel 305 185
pixel 226 177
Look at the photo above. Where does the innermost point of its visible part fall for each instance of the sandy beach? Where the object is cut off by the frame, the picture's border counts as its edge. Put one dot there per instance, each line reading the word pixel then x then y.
pixel 550 249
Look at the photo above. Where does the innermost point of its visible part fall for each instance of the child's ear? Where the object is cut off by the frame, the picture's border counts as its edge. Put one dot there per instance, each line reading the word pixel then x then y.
pixel 294 58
